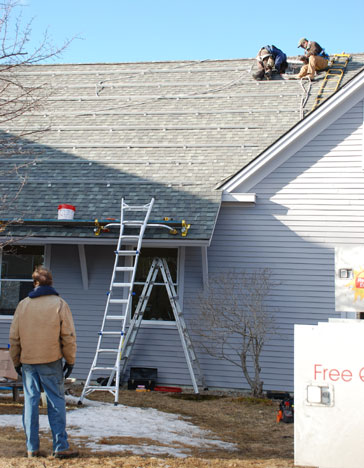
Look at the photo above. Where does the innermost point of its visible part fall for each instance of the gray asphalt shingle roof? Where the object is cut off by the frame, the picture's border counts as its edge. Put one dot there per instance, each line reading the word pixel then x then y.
pixel 172 130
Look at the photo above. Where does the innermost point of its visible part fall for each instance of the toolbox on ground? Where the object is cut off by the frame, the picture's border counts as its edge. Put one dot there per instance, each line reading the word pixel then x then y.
pixel 142 376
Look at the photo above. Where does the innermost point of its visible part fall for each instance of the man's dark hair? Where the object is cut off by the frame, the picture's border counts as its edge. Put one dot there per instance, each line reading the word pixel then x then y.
pixel 43 276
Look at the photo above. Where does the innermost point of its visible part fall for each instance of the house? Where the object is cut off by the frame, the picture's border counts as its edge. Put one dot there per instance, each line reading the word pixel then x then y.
pixel 262 180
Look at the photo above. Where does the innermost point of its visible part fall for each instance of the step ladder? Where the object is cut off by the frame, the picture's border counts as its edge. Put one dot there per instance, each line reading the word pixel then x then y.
pixel 160 265
pixel 333 77
pixel 119 297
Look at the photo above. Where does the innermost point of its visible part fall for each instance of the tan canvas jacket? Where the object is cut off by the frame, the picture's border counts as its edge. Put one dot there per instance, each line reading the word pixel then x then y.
pixel 42 331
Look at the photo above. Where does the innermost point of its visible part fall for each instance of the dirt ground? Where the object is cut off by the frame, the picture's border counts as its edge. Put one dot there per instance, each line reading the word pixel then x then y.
pixel 247 422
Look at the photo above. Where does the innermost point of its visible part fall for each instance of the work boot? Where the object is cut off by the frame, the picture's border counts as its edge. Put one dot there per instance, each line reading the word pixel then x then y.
pixel 33 454
pixel 66 454
pixel 268 75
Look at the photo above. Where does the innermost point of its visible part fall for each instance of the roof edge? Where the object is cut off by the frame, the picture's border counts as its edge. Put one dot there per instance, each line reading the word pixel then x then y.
pixel 109 241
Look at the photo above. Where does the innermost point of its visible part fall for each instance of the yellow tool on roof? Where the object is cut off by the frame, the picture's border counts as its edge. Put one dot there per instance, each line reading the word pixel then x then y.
pixel 333 77
pixel 185 228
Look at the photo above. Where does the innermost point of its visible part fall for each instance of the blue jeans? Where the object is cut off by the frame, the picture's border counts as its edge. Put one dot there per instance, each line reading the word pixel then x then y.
pixel 50 377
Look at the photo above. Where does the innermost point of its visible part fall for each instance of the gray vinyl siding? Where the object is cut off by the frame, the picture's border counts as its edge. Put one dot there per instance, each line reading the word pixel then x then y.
pixel 158 347
pixel 86 305
pixel 4 333
pixel 305 208
pixel 155 347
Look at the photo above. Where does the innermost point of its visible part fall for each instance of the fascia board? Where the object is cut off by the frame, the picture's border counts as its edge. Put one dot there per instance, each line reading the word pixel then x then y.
pixel 298 136
pixel 100 241
pixel 215 221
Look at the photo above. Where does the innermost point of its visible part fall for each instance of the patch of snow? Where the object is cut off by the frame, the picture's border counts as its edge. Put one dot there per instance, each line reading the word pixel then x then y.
pixel 96 420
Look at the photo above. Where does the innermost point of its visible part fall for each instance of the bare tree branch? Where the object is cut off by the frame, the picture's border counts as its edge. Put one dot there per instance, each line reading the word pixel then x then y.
pixel 234 320
pixel 19 97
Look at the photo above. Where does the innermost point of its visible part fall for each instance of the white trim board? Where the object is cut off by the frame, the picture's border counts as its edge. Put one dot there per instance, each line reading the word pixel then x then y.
pixel 233 198
pixel 301 134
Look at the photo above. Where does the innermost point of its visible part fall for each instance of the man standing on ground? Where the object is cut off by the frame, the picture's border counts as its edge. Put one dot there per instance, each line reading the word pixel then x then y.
pixel 41 334
pixel 315 59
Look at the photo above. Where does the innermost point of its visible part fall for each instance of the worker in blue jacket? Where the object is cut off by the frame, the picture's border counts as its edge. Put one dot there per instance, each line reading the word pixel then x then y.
pixel 270 60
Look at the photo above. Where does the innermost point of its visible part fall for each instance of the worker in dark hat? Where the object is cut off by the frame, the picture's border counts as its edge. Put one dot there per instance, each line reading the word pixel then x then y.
pixel 314 59
pixel 270 60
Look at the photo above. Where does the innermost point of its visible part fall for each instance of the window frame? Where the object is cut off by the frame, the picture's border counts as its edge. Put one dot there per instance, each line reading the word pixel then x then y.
pixel 46 253
pixel 179 285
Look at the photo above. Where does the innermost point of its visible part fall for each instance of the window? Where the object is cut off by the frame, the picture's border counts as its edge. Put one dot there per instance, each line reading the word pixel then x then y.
pixel 158 307
pixel 17 265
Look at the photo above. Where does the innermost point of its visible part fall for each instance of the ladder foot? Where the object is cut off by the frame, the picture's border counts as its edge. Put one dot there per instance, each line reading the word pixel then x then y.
pixel 116 403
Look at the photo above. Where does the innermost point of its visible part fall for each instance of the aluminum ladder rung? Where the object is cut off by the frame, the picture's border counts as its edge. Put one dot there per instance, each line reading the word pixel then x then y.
pixel 136 208
pixel 105 350
pixel 121 285
pixel 126 252
pixel 103 368
pixel 115 317
pixel 122 268
pixel 110 333
pixel 101 387
pixel 133 222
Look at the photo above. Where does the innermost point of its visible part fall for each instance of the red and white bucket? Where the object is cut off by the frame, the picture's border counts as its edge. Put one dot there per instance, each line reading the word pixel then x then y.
pixel 66 211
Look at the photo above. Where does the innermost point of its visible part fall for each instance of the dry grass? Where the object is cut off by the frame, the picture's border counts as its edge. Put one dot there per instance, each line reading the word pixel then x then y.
pixel 247 422
pixel 139 462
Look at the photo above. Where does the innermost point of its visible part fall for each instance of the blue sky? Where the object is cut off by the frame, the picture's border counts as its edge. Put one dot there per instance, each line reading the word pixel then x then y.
pixel 154 30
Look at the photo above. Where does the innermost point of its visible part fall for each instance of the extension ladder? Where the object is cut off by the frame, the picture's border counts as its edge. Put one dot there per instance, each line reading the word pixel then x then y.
pixel 333 78
pixel 119 299
pixel 191 358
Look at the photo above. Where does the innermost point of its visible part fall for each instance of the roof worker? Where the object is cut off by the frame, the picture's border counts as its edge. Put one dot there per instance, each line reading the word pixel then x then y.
pixel 270 60
pixel 315 59
pixel 41 334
